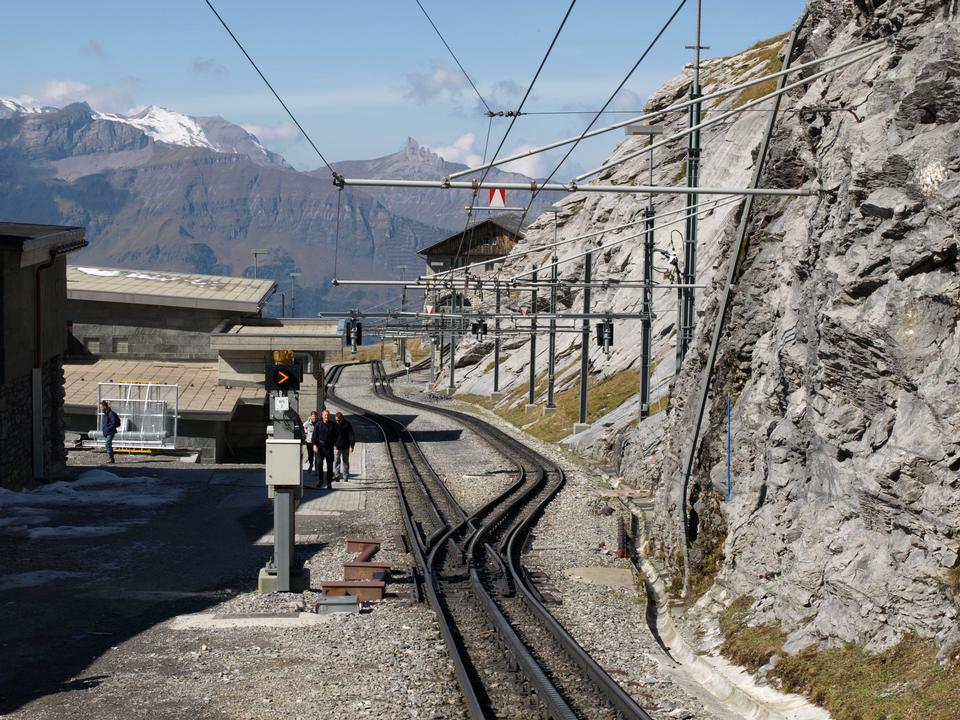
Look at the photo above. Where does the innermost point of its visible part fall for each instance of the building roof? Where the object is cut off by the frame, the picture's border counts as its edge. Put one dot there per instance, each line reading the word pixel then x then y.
pixel 505 221
pixel 305 335
pixel 155 287
pixel 199 394
pixel 35 242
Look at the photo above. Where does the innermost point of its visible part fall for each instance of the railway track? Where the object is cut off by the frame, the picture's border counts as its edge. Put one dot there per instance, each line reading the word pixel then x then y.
pixel 511 657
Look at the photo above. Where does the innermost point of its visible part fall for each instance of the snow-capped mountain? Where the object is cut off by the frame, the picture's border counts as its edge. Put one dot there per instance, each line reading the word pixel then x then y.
pixel 167 126
pixel 164 126
pixel 10 107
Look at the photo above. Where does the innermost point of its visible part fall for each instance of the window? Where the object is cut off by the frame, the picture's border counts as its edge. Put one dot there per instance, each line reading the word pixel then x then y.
pixel 121 345
pixel 488 266
pixel 92 344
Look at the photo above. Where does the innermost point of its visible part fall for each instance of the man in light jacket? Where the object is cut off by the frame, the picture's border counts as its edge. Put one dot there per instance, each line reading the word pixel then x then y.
pixel 309 428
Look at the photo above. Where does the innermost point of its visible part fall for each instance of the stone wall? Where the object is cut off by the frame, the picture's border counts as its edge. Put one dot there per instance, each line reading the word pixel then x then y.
pixel 16 427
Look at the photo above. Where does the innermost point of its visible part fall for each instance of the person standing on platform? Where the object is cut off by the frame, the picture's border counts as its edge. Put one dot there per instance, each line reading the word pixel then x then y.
pixel 109 424
pixel 309 428
pixel 324 441
pixel 344 446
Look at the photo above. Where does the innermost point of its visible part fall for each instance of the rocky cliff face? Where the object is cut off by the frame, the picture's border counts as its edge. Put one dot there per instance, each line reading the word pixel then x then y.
pixel 842 354
pixel 841 351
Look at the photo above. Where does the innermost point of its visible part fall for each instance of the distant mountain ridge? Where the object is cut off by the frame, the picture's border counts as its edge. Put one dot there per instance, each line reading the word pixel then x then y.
pixel 442 208
pixel 159 189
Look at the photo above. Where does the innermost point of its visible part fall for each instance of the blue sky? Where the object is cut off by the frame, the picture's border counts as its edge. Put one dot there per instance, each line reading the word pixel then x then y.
pixel 362 76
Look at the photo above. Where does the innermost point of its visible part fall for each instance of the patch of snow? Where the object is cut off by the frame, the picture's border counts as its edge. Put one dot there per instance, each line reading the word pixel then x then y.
pixel 95 487
pixel 19 108
pixel 144 276
pixel 98 272
pixel 33 578
pixel 67 532
pixel 164 126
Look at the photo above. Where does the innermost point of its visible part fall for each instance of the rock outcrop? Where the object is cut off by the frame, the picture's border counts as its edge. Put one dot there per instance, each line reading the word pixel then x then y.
pixel 841 352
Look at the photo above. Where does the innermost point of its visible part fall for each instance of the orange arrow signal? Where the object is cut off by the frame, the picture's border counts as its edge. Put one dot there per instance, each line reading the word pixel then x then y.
pixel 281 377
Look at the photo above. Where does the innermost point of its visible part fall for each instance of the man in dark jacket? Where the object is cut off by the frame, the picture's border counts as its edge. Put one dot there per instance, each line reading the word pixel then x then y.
pixel 325 437
pixel 344 446
pixel 109 424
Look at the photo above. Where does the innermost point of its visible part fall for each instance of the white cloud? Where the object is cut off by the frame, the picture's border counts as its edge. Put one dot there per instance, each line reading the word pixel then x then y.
pixel 461 150
pixel 442 82
pixel 94 49
pixel 534 166
pixel 61 92
pixel 282 132
pixel 208 66
pixel 116 97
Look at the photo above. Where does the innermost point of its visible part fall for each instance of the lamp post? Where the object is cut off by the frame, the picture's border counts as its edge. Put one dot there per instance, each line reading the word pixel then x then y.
pixel 257 252
pixel 402 269
pixel 293 293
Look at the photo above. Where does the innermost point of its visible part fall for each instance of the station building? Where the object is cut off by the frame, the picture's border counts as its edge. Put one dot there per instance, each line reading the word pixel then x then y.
pixel 202 334
pixel 33 341
pixel 486 240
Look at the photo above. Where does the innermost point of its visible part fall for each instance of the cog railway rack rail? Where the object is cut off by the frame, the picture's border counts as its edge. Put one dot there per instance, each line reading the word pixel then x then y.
pixel 511 657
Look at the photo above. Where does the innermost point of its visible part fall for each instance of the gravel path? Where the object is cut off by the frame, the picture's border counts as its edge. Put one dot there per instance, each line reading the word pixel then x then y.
pixel 471 470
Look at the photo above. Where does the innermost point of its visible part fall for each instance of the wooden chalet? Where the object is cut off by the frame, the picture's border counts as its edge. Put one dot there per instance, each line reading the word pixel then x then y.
pixel 485 241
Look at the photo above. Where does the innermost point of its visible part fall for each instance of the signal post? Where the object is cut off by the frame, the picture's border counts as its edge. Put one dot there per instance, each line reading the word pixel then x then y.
pixel 284 475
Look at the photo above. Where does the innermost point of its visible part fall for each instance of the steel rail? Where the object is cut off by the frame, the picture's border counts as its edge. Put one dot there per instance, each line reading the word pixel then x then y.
pixel 544 689
pixel 516 535
pixel 470 697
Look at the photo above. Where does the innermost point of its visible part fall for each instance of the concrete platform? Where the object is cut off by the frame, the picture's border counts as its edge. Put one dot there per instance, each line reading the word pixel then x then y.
pixel 599 575
pixel 349 496
pixel 267 583
pixel 212 621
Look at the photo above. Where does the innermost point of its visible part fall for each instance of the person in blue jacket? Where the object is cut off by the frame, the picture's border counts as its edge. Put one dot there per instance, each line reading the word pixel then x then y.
pixel 109 424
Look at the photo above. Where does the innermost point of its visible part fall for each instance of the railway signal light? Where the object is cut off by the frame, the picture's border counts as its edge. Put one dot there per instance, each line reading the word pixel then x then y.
pixel 479 329
pixel 605 335
pixel 284 377
pixel 353 333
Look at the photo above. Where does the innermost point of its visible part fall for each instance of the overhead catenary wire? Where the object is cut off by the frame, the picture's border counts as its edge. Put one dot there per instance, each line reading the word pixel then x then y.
pixel 675 107
pixel 620 241
pixel 566 241
pixel 513 120
pixel 452 54
pixel 730 113
pixel 596 117
pixel 434 282
pixel 336 176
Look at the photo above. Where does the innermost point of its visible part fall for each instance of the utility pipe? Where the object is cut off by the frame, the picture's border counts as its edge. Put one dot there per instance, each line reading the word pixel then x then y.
pixel 736 250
